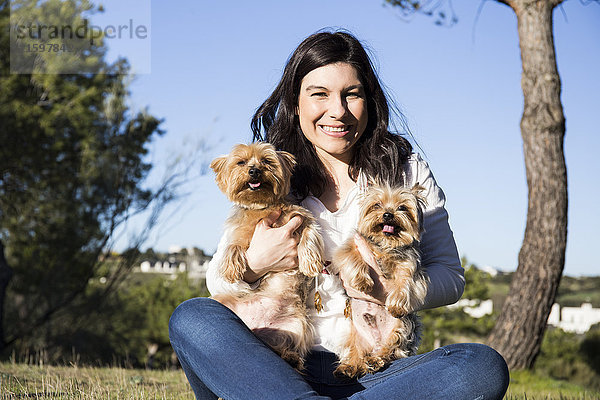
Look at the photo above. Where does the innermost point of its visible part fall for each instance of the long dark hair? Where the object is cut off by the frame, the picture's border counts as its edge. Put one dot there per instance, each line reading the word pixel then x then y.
pixel 378 153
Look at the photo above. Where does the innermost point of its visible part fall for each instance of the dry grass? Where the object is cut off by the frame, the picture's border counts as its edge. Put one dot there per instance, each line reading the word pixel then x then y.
pixel 22 381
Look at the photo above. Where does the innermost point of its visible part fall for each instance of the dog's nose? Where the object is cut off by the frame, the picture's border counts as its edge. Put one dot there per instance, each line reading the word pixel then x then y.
pixel 254 172
pixel 388 216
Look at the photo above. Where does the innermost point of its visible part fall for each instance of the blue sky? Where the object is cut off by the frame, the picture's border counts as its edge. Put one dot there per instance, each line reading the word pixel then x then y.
pixel 212 64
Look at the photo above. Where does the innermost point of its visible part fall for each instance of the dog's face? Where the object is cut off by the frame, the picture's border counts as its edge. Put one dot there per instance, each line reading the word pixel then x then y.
pixel 392 217
pixel 254 175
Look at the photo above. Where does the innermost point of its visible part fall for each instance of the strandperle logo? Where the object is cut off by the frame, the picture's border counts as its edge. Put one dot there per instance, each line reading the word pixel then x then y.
pixel 82 32
pixel 58 38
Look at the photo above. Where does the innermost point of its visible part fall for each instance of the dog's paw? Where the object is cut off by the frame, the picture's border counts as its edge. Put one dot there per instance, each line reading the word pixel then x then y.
pixel 234 264
pixel 346 370
pixel 374 363
pixel 310 252
pixel 294 359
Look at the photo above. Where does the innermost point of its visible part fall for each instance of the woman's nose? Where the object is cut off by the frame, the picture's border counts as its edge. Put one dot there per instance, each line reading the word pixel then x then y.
pixel 337 107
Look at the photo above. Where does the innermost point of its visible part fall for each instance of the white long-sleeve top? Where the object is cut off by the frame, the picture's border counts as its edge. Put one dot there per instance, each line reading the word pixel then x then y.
pixel 439 254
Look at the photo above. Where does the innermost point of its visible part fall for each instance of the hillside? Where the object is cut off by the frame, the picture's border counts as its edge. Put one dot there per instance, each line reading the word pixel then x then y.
pixel 571 292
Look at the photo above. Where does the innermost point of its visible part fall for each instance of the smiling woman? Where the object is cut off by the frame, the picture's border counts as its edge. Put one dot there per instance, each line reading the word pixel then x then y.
pixel 330 112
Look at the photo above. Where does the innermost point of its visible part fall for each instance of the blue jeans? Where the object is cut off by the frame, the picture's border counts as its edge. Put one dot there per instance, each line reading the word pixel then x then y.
pixel 221 357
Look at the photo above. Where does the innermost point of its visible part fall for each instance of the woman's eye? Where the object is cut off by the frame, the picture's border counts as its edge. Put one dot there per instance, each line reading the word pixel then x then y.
pixel 353 95
pixel 319 94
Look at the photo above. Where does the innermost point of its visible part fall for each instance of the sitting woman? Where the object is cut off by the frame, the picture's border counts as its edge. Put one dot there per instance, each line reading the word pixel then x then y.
pixel 330 112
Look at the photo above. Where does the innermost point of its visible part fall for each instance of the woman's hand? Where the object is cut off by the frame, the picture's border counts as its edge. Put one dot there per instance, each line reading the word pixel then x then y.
pixel 272 249
pixel 381 285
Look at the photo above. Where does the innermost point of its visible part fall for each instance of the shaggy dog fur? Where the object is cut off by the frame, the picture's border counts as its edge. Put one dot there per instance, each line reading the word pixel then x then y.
pixel 256 178
pixel 391 224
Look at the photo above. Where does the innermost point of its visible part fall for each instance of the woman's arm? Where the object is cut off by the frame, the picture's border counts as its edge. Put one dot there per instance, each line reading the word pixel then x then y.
pixel 439 253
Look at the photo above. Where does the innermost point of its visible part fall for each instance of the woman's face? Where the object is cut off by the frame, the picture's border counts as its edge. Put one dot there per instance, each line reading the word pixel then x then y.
pixel 332 110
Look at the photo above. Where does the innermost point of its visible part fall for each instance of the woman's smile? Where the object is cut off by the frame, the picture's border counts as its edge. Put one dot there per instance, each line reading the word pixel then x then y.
pixel 336 131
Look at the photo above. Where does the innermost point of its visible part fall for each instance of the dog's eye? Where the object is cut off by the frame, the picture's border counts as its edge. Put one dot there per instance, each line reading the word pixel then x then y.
pixel 241 162
pixel 266 161
pixel 402 208
pixel 376 206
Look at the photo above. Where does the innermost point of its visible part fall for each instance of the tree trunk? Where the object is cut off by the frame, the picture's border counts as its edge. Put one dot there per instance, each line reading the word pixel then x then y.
pixel 519 330
pixel 5 275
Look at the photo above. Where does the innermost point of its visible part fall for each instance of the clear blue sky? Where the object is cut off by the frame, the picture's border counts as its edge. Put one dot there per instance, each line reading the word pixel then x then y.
pixel 213 63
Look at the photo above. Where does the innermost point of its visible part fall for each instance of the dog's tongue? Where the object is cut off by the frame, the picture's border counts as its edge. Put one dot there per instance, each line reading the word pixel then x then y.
pixel 254 185
pixel 388 229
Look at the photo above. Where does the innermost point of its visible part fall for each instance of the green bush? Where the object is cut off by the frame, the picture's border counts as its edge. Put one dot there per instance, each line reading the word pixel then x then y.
pixel 590 348
pixel 443 326
pixel 123 328
pixel 564 356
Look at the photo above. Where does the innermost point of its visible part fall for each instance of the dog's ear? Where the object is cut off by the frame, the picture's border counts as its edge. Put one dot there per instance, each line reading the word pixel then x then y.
pixel 418 191
pixel 288 161
pixel 217 165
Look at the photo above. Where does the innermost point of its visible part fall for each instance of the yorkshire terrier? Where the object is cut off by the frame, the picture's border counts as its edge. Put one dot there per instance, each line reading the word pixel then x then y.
pixel 256 178
pixel 391 223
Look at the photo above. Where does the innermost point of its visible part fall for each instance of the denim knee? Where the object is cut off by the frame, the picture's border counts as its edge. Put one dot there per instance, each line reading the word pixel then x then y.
pixel 494 362
pixel 485 366
pixel 191 316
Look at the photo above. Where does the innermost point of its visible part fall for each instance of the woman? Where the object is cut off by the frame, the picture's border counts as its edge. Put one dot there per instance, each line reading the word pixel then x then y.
pixel 330 111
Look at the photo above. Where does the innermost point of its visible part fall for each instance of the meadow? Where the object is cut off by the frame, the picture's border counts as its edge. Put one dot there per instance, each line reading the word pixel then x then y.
pixel 566 368
pixel 22 381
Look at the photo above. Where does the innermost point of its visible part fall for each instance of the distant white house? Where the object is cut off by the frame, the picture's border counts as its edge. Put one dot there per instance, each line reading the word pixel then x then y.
pixel 574 319
pixel 569 319
pixel 162 267
pixel 179 260
pixel 475 308
pixel 490 270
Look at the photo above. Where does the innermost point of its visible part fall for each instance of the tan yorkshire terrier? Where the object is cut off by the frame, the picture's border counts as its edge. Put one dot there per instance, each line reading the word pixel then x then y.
pixel 391 223
pixel 256 178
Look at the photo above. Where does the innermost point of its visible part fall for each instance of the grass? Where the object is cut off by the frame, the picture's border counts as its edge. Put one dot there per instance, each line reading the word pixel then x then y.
pixel 21 381
pixel 527 385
